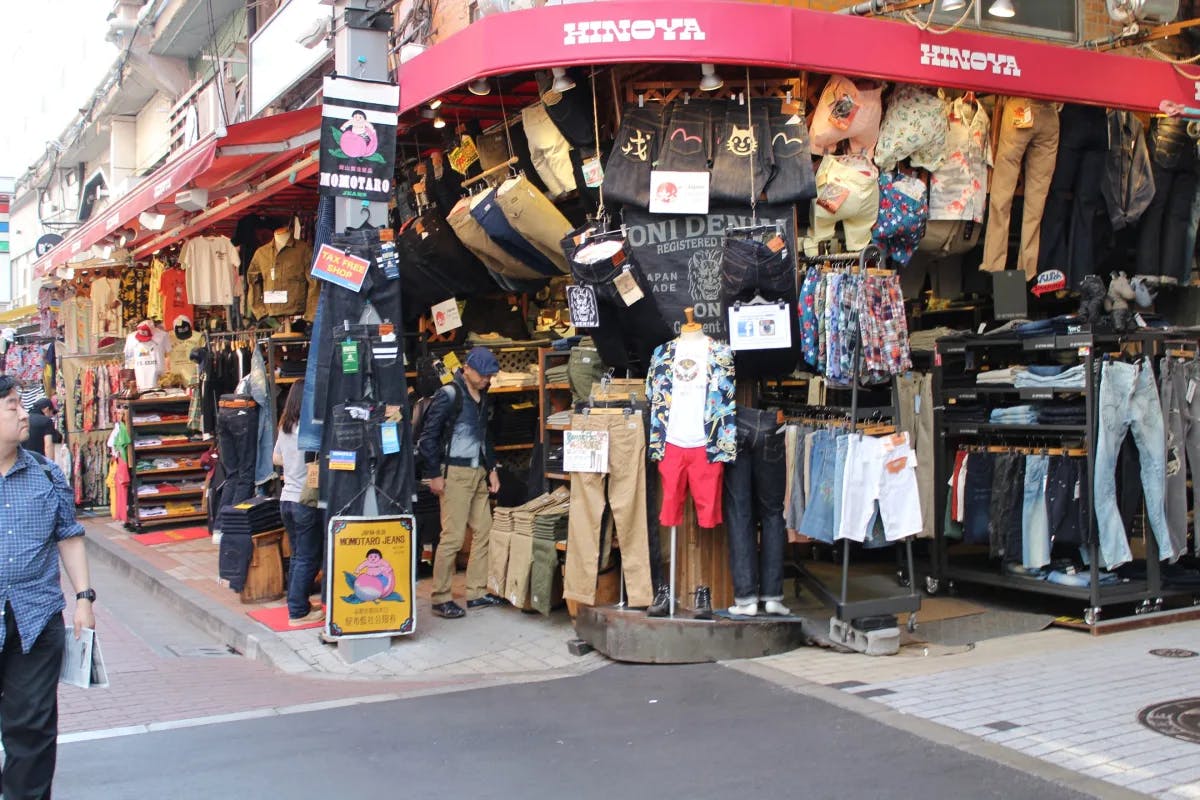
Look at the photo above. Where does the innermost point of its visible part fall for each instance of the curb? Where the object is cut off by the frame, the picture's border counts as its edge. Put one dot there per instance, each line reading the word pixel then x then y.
pixel 240 633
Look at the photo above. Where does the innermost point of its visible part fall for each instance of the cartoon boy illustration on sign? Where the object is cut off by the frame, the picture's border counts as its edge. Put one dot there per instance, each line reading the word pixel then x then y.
pixel 360 141
pixel 373 580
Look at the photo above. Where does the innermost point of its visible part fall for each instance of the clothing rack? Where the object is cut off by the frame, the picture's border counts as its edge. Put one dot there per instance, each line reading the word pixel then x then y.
pixel 847 612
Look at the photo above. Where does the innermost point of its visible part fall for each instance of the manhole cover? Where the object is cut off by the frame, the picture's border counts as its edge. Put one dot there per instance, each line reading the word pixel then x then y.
pixel 1179 719
pixel 1173 652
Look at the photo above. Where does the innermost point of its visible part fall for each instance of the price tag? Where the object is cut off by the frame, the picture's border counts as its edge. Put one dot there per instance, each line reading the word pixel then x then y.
pixel 897 464
pixel 275 298
pixel 390 432
pixel 917 404
pixel 445 316
pixel 389 260
pixel 312 475
pixel 1022 116
pixel 593 172
pixel 342 460
pixel 451 361
pixel 387 332
pixel 585 451
pixel 627 286
pixel 1191 390
pixel 349 358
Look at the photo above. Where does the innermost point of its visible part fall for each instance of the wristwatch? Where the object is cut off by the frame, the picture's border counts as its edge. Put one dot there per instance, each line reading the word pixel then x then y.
pixel 87 594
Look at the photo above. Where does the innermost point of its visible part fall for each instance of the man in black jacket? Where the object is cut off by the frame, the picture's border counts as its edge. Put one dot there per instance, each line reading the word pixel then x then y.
pixel 459 461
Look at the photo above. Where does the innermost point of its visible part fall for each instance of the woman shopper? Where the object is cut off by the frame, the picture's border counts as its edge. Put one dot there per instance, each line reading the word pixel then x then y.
pixel 303 522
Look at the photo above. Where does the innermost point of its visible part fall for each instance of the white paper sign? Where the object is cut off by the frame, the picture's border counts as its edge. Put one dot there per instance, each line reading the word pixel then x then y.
pixel 678 192
pixel 585 451
pixel 445 316
pixel 760 327
pixel 275 298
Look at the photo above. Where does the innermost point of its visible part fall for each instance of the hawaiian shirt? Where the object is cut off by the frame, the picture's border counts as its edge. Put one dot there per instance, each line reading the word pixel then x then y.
pixel 720 409
pixel 915 128
pixel 958 188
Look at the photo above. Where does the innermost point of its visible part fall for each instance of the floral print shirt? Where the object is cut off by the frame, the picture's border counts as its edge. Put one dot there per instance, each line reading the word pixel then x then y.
pixel 914 128
pixel 958 189
pixel 720 409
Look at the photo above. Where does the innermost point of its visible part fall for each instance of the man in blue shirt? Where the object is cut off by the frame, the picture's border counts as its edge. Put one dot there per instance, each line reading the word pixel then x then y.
pixel 37 529
pixel 459 461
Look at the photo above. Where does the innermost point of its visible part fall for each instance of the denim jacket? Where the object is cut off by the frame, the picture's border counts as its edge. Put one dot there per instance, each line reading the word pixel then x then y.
pixel 470 438
pixel 720 411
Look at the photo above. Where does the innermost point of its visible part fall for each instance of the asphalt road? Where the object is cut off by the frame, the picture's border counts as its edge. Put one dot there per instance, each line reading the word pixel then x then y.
pixel 619 733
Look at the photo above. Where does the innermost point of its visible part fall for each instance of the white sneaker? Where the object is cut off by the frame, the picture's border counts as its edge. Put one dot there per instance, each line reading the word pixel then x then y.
pixel 748 610
pixel 776 608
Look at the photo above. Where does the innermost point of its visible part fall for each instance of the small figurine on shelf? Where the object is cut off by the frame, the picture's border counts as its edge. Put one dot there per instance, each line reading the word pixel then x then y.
pixel 1091 299
pixel 1120 293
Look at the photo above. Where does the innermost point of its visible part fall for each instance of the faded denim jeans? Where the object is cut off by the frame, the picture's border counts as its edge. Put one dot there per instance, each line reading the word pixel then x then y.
pixel 1129 403
pixel 1035 521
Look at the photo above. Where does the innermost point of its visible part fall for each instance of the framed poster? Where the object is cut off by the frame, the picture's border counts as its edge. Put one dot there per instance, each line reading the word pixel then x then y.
pixel 370 574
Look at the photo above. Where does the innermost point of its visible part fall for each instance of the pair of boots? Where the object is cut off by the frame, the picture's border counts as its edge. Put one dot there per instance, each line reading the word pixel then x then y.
pixel 661 606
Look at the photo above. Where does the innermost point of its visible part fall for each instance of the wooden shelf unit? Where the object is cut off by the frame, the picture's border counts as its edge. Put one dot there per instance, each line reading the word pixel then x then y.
pixel 176 406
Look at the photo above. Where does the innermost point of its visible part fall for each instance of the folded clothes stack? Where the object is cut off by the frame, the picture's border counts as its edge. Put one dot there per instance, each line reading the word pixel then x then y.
pixel 1067 414
pixel 961 414
pixel 1014 415
pixel 1003 377
pixel 1057 377
pixel 252 516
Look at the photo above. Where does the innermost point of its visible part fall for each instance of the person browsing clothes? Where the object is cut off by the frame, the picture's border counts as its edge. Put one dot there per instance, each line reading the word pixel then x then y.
pixel 459 461
pixel 43 434
pixel 301 521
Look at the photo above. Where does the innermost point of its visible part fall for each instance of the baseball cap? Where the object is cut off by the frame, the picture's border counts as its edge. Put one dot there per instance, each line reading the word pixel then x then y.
pixel 144 332
pixel 42 403
pixel 482 361
pixel 1052 280
pixel 183 327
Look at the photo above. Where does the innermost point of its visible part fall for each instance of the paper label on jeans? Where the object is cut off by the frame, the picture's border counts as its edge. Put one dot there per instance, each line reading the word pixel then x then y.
pixel 832 196
pixel 390 433
pixel 349 358
pixel 627 286
pixel 917 404
pixel 593 172
pixel 1078 491
pixel 275 298
pixel 1191 390
pixel 897 464
pixel 678 192
pixel 582 302
pixel 1022 116
pixel 760 327
pixel 312 475
pixel 342 460
pixel 445 316
pixel 585 451
pixel 387 332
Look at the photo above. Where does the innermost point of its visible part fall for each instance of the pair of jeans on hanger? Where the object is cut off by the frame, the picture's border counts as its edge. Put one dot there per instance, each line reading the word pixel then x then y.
pixel 1075 199
pixel 752 269
pixel 357 427
pixel 741 162
pixel 635 148
pixel 1168 227
pixel 237 439
pixel 755 484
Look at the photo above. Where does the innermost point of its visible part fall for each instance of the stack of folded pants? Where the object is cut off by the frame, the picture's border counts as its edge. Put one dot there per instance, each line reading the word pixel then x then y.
pixel 1015 415
pixel 1066 414
pixel 1059 377
pixel 498 541
pixel 960 414
pixel 545 578
pixel 1003 377
pixel 514 422
pixel 250 517
pixel 520 548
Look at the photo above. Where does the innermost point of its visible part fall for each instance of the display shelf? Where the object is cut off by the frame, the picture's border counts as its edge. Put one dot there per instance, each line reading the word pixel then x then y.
pixel 170 471
pixel 562 386
pixel 514 389
pixel 158 423
pixel 545 390
pixel 554 427
pixel 154 520
pixel 558 476
pixel 175 407
pixel 169 496
pixel 284 381
pixel 158 448
pixel 972 429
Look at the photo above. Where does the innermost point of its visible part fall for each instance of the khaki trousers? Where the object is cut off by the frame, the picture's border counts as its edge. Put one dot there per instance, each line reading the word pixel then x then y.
pixel 465 502
pixel 1037 147
pixel 916 418
pixel 535 218
pixel 623 491
pixel 475 238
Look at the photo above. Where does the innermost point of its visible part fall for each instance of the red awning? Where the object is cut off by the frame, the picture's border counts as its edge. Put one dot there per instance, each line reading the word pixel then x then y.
pixel 236 165
pixel 620 31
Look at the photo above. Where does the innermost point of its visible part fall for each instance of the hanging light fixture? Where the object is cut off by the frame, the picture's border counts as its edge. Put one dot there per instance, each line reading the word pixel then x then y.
pixel 562 81
pixel 710 81
pixel 480 87
pixel 435 104
pixel 438 122
pixel 1002 8
pixel 953 5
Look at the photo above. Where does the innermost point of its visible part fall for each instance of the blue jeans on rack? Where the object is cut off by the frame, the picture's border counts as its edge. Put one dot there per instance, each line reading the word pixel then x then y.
pixel 755 485
pixel 1035 522
pixel 311 418
pixel 1129 403
pixel 817 522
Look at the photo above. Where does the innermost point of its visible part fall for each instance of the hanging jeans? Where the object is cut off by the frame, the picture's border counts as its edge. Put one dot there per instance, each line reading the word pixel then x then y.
pixel 237 440
pixel 1129 403
pixel 1035 521
pixel 312 415
pixel 793 179
pixel 1005 507
pixel 442 258
pixel 687 138
pixel 750 269
pixel 1168 232
pixel 491 218
pixel 817 522
pixel 1075 199
pixel 627 334
pixel 357 428
pixel 534 218
pixel 914 395
pixel 755 484
pixel 548 150
pixel 1037 148
pixel 742 159
pixel 1182 420
pixel 500 263
pixel 635 149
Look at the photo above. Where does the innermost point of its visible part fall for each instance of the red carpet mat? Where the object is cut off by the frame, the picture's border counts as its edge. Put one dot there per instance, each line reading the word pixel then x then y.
pixel 276 618
pixel 168 537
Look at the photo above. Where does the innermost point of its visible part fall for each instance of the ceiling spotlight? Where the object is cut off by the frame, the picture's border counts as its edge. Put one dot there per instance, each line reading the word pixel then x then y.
pixel 438 122
pixel 1002 8
pixel 435 104
pixel 710 81
pixel 562 81
pixel 953 5
pixel 479 86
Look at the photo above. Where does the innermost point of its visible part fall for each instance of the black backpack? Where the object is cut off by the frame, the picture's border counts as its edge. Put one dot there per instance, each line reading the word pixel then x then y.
pixel 419 413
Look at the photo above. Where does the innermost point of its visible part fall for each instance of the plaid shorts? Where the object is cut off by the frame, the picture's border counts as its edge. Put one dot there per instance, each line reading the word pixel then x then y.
pixel 884 329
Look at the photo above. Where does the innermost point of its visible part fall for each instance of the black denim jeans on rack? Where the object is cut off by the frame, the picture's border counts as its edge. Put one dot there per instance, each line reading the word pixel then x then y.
pixel 440 258
pixel 571 112
pixel 356 427
pixel 1067 500
pixel 977 496
pixel 237 438
pixel 742 156
pixel 755 485
pixel 627 173
pixel 792 179
pixel 1069 222
pixel 687 138
pixel 1007 502
pixel 749 269
pixel 627 335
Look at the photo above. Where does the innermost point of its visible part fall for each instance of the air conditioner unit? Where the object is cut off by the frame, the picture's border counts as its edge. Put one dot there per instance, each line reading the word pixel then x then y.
pixel 192 199
pixel 1128 12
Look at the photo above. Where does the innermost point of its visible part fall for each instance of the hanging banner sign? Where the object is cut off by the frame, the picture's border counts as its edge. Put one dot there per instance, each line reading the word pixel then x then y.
pixel 680 255
pixel 337 266
pixel 358 138
pixel 370 576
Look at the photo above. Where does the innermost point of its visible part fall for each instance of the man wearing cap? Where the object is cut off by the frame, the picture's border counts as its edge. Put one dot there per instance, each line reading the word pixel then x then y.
pixel 459 461
pixel 42 433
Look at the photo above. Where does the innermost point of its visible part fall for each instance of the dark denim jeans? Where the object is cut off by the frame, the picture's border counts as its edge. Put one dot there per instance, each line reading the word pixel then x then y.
pixel 1069 222
pixel 441 257
pixel 687 138
pixel 309 434
pixel 742 159
pixel 306 537
pixel 627 335
pixel 1168 232
pixel 749 269
pixel 627 173
pixel 755 484
pixel 977 496
pixel 793 179
pixel 491 218
pixel 237 438
pixel 1005 506
pixel 572 113
pixel 356 427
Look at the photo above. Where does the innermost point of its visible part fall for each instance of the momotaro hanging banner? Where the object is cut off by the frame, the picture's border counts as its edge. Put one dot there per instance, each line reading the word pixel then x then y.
pixel 358 138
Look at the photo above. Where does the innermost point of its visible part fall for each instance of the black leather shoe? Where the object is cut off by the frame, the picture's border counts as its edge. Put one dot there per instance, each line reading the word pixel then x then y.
pixel 703 609
pixel 485 601
pixel 662 602
pixel 449 610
